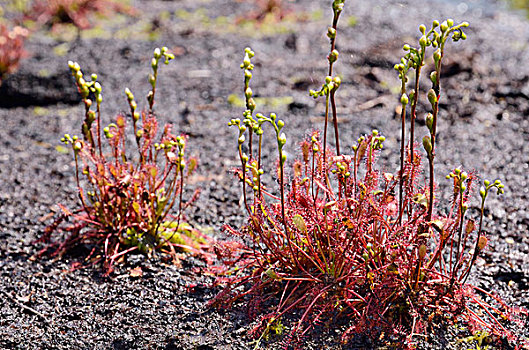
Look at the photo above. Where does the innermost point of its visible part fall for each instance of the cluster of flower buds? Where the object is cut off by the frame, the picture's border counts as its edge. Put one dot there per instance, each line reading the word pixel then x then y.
pixel 337 6
pixel 168 146
pixel 157 55
pixel 77 144
pixel 315 143
pixel 85 87
pixel 329 85
pixel 377 141
pixel 248 67
pixel 360 140
pixel 256 174
pixel 107 130
pixel 242 129
pixel 250 122
pixel 132 104
pixel 487 186
pixel 342 169
pixel 459 177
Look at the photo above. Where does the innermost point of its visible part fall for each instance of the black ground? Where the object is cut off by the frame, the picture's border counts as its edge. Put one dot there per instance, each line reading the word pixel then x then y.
pixel 484 126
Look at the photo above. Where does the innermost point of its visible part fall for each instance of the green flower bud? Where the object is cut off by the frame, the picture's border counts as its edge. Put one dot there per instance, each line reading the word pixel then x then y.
pixel 248 93
pixel 129 94
pixel 157 54
pixel 437 55
pixel 404 99
pixel 333 56
pixel 433 77
pixel 152 80
pixel 423 41
pixel 429 121
pixel 432 97
pixel 482 192
pixel 406 47
pixel 450 22
pixel 154 64
pixel 427 144
pixel 282 139
pixel 435 24
pixel 412 94
pixel 331 33
pixel 422 28
pixel 251 104
pixel 444 26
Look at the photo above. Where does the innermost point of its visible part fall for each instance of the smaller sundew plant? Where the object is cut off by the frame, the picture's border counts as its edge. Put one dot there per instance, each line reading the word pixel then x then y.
pixel 267 9
pixel 127 196
pixel 11 49
pixel 77 12
pixel 337 245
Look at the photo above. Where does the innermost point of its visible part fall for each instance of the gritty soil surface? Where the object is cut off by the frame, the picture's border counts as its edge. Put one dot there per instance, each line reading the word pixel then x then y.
pixel 484 126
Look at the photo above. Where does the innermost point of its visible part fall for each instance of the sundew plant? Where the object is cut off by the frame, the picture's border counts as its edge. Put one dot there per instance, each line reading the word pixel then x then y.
pixel 344 242
pixel 128 193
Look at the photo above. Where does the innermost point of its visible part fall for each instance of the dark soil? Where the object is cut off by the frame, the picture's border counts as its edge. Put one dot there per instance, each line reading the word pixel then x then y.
pixel 484 126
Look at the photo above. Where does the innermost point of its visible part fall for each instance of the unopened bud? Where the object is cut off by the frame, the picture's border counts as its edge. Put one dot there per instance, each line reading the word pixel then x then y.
pixel 429 121
pixel 427 144
pixel 331 33
pixel 433 77
pixel 423 41
pixel 404 99
pixel 432 97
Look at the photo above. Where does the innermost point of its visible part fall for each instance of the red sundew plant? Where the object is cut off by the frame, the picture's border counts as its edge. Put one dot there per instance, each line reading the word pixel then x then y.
pixel 266 10
pixel 127 198
pixel 51 12
pixel 11 49
pixel 337 244
pixel 275 8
